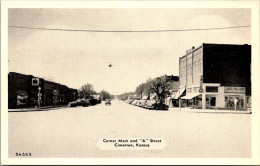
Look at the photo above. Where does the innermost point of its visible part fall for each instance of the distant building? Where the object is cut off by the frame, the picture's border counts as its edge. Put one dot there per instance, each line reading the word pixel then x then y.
pixel 27 90
pixel 172 78
pixel 215 76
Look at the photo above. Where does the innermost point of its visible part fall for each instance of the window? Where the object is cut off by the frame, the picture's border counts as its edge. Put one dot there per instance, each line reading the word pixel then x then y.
pixel 200 66
pixel 195 68
pixel 211 89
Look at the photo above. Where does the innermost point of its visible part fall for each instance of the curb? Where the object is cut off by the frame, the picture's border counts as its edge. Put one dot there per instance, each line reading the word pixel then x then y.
pixel 37 109
pixel 210 111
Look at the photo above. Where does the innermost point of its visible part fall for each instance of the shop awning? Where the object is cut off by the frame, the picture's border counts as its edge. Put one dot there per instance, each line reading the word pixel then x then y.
pixel 179 93
pixel 190 95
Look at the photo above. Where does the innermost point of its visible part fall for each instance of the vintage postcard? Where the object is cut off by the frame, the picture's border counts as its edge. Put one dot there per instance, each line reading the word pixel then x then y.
pixel 135 82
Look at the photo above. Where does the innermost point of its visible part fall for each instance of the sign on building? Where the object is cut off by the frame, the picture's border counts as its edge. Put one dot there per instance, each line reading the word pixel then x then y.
pixel 235 90
pixel 35 81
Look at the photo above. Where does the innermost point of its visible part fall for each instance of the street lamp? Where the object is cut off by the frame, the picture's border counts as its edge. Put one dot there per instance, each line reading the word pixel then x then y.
pixel 39 96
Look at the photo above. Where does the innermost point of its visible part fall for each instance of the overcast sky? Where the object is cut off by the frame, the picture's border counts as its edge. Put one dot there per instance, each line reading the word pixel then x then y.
pixel 77 58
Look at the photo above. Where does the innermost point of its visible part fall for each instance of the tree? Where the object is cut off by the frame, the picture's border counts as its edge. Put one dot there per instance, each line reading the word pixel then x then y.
pixel 104 95
pixel 125 96
pixel 160 86
pixel 86 91
pixel 140 90
pixel 148 88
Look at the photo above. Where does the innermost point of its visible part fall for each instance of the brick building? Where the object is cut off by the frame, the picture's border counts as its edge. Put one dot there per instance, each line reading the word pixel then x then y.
pixel 23 91
pixel 215 76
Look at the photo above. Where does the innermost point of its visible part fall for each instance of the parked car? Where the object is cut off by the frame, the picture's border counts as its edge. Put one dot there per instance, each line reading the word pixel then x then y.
pixel 98 101
pixel 130 101
pixel 159 106
pixel 139 103
pixel 79 102
pixel 127 101
pixel 144 104
pixel 108 102
pixel 93 101
pixel 135 102
pixel 149 104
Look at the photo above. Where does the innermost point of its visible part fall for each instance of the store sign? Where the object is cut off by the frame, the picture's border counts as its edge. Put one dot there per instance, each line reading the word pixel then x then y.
pixel 235 90
pixel 35 81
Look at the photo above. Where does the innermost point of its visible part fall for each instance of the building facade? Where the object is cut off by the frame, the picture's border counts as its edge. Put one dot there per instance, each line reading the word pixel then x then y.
pixel 215 76
pixel 28 91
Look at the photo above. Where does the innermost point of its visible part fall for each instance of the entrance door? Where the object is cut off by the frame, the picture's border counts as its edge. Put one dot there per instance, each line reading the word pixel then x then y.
pixel 212 101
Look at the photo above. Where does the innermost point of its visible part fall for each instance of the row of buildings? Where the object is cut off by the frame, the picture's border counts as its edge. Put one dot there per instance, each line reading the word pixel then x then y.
pixel 29 91
pixel 214 76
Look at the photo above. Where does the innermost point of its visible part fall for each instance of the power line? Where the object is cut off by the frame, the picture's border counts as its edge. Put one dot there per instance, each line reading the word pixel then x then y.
pixel 121 31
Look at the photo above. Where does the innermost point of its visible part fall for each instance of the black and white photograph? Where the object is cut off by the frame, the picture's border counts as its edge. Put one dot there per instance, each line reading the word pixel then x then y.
pixel 135 80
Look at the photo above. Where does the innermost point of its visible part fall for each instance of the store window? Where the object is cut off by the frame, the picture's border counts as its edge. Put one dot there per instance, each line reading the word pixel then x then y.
pixel 22 97
pixel 230 101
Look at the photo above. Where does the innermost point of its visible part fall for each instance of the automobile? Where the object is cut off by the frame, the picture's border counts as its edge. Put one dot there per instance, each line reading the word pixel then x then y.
pixel 158 106
pixel 134 102
pixel 141 103
pixel 144 103
pixel 108 102
pixel 93 101
pixel 79 102
pixel 130 101
pixel 149 104
pixel 127 101
pixel 98 101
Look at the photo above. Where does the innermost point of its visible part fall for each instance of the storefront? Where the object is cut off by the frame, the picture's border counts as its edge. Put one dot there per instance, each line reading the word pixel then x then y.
pixel 235 96
pixel 192 100
pixel 22 98
pixel 215 96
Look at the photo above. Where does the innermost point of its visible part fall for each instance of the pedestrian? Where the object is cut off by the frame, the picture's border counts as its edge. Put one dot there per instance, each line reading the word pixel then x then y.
pixel 235 102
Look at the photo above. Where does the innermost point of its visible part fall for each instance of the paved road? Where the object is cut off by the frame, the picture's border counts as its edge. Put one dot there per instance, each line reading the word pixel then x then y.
pixel 74 132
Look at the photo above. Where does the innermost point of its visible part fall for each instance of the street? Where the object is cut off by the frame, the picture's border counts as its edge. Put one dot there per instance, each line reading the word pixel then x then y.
pixel 74 132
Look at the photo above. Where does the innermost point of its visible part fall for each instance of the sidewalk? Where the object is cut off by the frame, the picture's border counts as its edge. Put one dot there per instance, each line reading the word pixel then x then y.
pixel 43 108
pixel 209 110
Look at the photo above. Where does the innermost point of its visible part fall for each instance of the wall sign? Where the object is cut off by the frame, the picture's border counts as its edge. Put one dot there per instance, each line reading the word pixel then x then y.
pixel 35 81
pixel 235 90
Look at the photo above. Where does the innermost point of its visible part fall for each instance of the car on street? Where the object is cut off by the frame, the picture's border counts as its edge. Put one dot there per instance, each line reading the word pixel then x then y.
pixel 144 104
pixel 94 101
pixel 79 102
pixel 129 101
pixel 134 102
pixel 159 106
pixel 149 104
pixel 108 102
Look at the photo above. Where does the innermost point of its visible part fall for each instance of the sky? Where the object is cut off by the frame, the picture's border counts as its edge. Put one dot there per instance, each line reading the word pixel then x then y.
pixel 76 58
